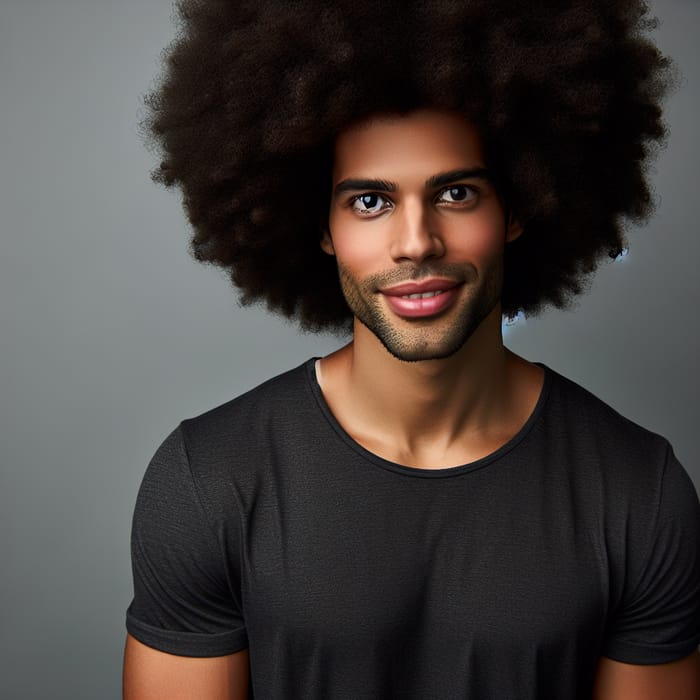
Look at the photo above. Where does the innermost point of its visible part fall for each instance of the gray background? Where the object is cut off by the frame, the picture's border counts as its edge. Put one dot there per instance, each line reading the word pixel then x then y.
pixel 110 334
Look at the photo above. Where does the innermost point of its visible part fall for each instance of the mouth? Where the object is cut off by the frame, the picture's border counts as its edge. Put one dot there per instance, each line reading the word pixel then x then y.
pixel 424 295
pixel 421 299
pixel 427 287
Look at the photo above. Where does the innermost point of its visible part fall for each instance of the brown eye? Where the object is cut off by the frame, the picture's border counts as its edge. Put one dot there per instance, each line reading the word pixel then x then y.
pixel 457 194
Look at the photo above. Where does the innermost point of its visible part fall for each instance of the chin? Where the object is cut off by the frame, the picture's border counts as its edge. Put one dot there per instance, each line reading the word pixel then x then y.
pixel 428 343
pixel 420 352
pixel 424 339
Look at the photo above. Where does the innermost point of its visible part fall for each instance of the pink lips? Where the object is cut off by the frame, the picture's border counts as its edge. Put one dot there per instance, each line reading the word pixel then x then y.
pixel 421 307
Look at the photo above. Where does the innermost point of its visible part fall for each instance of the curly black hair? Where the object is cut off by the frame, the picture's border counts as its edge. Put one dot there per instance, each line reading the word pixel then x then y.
pixel 566 95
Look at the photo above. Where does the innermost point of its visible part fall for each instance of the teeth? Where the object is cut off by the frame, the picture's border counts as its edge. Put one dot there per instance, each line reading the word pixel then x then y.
pixel 425 295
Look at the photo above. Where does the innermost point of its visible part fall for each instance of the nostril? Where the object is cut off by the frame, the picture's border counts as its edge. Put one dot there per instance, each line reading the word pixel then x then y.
pixel 417 245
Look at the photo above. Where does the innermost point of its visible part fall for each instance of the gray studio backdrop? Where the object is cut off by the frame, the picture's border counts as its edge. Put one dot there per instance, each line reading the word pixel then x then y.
pixel 110 334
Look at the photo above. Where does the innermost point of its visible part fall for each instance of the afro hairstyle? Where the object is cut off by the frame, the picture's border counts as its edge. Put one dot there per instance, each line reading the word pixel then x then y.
pixel 566 96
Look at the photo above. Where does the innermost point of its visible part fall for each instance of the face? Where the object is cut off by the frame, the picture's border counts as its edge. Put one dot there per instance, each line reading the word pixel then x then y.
pixel 418 231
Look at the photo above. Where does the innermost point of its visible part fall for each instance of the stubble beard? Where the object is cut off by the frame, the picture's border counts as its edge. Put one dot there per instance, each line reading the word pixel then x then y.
pixel 434 338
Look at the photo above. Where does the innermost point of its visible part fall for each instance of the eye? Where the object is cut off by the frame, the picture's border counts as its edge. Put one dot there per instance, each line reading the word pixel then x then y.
pixel 369 203
pixel 457 194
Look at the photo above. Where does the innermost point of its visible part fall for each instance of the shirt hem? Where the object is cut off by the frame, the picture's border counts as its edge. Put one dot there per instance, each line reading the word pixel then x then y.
pixel 195 644
pixel 644 654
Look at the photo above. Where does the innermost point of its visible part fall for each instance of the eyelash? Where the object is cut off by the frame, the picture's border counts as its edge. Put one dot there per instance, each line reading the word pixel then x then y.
pixel 355 198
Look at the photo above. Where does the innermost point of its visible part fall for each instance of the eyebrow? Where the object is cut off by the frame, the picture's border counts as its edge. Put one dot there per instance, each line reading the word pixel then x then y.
pixel 462 174
pixel 439 180
pixel 355 184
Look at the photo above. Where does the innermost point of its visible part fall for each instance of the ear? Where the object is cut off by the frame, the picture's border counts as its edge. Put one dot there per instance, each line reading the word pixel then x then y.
pixel 327 242
pixel 514 228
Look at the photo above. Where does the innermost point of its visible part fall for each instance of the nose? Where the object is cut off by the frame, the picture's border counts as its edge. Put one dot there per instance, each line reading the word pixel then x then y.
pixel 416 235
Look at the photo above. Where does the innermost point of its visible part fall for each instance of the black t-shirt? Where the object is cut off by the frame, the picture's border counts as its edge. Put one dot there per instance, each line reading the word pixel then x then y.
pixel 263 524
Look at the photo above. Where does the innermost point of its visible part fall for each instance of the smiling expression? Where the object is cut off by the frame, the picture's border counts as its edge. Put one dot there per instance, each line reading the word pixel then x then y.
pixel 418 231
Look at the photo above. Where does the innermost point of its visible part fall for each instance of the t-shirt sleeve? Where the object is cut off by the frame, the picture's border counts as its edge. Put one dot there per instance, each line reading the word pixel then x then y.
pixel 185 601
pixel 658 620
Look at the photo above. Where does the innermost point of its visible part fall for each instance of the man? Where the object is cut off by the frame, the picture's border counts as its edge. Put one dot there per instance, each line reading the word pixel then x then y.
pixel 421 514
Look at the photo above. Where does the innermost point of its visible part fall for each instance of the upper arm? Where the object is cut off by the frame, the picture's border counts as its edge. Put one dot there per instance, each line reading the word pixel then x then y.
pixel 185 563
pixel 154 675
pixel 679 680
pixel 655 618
pixel 651 651
pixel 185 617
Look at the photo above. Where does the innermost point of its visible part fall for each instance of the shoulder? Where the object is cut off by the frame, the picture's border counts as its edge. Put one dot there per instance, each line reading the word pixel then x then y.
pixel 592 428
pixel 230 450
pixel 628 475
pixel 621 469
pixel 642 511
pixel 273 403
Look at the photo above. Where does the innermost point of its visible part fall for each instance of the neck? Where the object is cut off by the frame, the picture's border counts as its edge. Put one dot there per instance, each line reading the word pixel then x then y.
pixel 428 408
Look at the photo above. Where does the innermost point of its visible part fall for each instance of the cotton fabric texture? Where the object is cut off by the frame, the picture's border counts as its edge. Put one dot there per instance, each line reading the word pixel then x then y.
pixel 263 524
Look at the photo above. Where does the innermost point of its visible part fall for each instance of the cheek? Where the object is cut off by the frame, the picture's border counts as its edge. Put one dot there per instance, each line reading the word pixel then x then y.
pixel 476 239
pixel 359 246
pixel 357 253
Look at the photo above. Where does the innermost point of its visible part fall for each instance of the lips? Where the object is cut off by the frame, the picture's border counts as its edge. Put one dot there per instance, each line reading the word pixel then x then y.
pixel 421 299
pixel 431 285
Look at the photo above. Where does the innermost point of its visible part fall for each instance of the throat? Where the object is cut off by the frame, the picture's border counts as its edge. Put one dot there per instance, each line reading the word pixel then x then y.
pixel 430 421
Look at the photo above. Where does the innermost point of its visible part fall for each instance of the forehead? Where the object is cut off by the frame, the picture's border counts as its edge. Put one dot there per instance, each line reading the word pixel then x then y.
pixel 424 142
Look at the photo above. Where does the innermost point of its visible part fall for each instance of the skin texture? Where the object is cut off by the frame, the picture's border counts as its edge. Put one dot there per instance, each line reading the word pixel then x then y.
pixel 154 675
pixel 409 229
pixel 678 680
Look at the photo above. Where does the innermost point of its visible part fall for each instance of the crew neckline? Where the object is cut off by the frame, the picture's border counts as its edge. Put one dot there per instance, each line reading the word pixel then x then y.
pixel 421 472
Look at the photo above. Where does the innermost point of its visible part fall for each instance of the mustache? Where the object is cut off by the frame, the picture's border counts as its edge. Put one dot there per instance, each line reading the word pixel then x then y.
pixel 415 273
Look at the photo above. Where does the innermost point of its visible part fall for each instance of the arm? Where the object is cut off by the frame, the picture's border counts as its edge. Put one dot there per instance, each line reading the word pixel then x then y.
pixel 185 621
pixel 679 680
pixel 653 631
pixel 154 675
